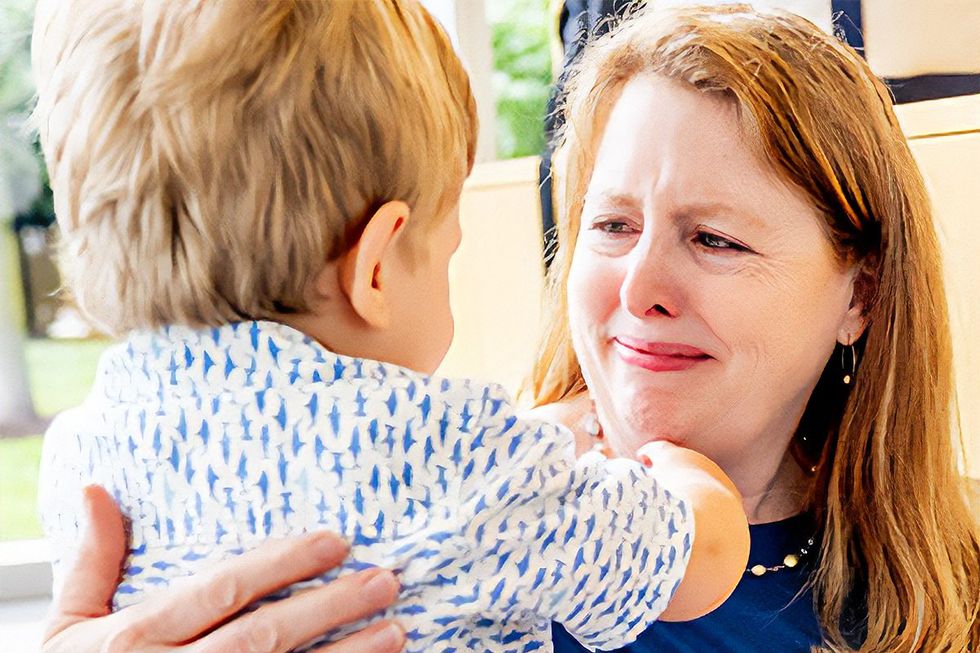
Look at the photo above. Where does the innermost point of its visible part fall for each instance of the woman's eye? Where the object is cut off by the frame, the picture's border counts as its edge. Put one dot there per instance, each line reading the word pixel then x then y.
pixel 714 241
pixel 614 227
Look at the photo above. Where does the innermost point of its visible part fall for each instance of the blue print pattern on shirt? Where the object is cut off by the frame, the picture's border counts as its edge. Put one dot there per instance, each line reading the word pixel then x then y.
pixel 213 440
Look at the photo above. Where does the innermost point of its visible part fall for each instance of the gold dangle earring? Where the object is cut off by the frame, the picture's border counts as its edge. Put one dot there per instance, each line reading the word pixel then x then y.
pixel 849 375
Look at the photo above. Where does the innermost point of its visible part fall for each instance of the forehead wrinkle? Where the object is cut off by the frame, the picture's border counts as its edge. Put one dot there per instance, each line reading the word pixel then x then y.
pixel 630 204
pixel 705 163
pixel 694 210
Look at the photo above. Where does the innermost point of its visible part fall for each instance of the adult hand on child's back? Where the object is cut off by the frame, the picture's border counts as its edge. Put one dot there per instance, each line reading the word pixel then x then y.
pixel 199 616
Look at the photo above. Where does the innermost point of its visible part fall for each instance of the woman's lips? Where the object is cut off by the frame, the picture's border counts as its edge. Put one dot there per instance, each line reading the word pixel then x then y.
pixel 658 356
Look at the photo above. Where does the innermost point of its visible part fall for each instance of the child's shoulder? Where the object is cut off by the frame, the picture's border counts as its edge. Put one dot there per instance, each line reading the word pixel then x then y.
pixel 61 439
pixel 491 397
pixel 272 364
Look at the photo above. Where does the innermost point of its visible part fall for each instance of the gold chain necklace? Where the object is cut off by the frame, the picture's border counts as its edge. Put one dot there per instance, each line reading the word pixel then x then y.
pixel 791 560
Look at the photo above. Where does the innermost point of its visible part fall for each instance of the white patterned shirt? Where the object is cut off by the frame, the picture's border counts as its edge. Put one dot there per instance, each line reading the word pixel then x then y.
pixel 212 440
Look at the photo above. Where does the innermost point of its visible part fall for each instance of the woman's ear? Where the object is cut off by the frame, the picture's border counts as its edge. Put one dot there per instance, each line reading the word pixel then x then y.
pixel 856 319
pixel 362 269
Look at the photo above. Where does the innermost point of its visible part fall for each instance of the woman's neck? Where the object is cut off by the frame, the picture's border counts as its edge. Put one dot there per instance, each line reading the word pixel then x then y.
pixel 772 494
pixel 773 487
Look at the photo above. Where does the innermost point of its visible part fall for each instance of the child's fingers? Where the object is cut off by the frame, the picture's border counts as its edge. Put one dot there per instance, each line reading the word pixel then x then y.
pixel 91 581
pixel 650 453
pixel 673 463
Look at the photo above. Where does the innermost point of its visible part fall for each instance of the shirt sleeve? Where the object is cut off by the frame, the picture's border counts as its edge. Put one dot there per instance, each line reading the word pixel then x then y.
pixel 595 544
pixel 60 482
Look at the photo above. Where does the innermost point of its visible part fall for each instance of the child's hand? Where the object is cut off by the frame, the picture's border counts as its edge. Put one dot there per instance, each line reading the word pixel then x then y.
pixel 678 468
pixel 721 535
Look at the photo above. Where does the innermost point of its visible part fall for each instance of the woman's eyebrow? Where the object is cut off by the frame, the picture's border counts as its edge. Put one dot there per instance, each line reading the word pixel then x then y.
pixel 695 209
pixel 632 204
pixel 621 201
pixel 711 208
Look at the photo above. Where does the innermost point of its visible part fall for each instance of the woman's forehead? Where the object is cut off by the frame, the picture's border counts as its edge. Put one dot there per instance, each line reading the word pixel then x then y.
pixel 671 147
pixel 663 135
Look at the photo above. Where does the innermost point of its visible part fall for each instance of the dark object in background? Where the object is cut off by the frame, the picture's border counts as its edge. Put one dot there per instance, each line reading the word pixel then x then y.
pixel 932 87
pixel 578 21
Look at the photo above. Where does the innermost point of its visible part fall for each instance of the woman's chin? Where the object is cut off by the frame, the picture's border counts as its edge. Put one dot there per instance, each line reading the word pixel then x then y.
pixel 678 417
pixel 652 424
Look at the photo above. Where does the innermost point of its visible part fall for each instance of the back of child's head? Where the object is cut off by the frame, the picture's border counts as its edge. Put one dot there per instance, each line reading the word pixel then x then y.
pixel 208 157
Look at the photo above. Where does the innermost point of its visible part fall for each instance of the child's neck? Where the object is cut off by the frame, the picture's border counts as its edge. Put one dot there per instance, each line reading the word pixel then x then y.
pixel 346 335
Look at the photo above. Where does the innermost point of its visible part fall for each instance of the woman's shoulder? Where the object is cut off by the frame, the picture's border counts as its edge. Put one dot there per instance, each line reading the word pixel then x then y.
pixel 573 413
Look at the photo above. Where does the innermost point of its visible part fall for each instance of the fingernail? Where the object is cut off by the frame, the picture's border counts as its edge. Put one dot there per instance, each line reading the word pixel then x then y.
pixel 645 460
pixel 328 546
pixel 389 638
pixel 380 586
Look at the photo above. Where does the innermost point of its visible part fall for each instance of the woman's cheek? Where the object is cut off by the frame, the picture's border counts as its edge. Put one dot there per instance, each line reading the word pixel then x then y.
pixel 593 297
pixel 593 287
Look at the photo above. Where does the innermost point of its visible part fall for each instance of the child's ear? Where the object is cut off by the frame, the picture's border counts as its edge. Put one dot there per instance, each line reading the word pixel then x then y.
pixel 362 269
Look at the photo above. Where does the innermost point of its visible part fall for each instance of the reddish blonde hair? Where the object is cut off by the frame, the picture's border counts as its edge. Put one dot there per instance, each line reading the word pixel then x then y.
pixel 208 157
pixel 887 491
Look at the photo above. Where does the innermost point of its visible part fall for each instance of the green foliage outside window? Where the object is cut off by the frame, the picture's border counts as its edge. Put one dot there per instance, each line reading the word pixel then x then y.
pixel 20 169
pixel 522 77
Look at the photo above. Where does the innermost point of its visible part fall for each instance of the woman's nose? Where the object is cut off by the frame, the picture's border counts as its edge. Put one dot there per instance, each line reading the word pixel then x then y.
pixel 650 287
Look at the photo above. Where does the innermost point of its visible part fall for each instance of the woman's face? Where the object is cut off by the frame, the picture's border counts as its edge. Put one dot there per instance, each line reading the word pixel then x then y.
pixel 704 295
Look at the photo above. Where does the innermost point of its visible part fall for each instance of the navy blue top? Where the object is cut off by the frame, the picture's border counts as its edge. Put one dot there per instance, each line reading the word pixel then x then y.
pixel 764 613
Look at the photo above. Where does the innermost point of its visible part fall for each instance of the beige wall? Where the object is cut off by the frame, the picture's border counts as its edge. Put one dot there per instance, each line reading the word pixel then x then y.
pixel 903 38
pixel 497 275
pixel 945 138
pixel 498 279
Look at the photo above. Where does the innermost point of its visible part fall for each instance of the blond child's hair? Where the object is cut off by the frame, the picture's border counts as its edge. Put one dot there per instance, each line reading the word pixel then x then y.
pixel 208 157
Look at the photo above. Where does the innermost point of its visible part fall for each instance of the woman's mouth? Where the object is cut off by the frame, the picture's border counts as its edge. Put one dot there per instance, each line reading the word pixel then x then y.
pixel 658 356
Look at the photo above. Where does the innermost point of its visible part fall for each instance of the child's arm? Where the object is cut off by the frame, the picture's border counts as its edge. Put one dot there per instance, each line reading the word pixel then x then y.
pixel 720 551
pixel 721 548
pixel 61 478
pixel 601 545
